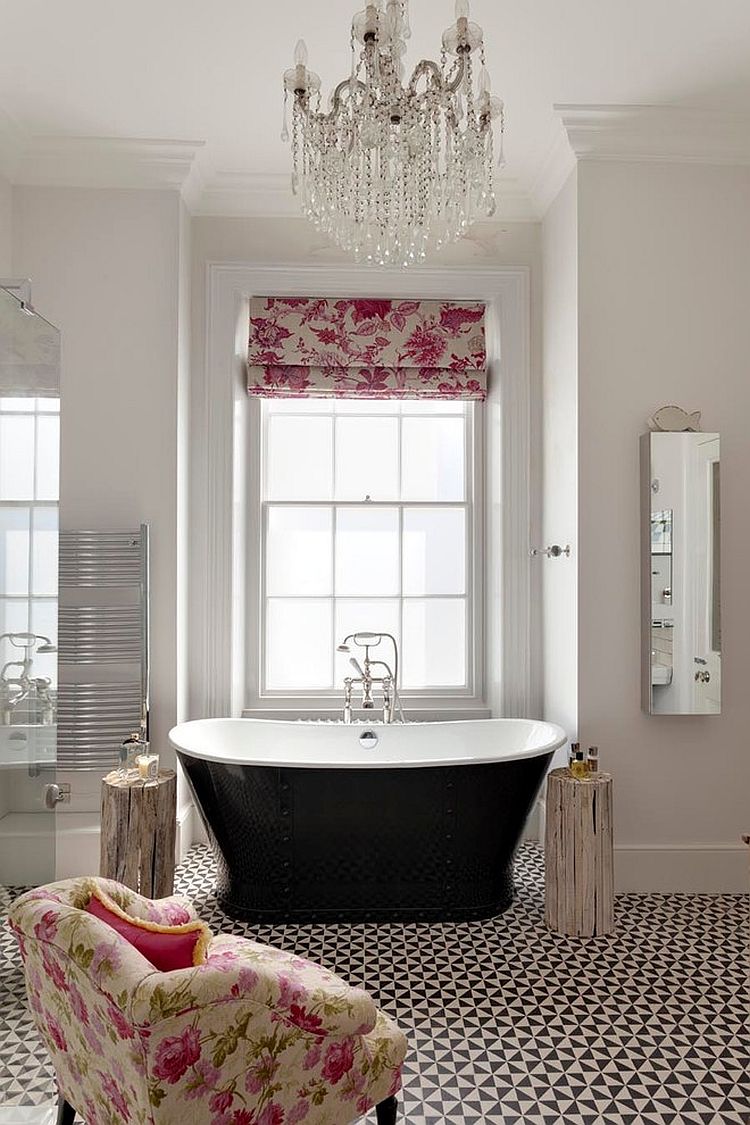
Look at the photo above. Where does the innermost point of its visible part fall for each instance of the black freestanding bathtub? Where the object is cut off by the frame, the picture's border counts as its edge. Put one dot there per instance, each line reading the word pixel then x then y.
pixel 330 822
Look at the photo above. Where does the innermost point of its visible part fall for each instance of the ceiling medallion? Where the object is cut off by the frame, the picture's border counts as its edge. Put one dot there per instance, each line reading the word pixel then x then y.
pixel 392 170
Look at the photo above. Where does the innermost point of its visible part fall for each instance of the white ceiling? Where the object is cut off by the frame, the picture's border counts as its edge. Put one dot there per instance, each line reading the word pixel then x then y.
pixel 211 72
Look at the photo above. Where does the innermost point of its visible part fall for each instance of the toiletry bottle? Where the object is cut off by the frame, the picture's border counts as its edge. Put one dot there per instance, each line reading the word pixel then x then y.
pixel 578 766
pixel 592 760
pixel 574 747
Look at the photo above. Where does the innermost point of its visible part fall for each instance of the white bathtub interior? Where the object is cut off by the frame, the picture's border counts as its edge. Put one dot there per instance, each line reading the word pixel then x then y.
pixel 330 745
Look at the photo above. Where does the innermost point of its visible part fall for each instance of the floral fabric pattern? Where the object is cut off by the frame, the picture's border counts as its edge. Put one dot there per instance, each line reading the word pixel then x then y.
pixel 301 347
pixel 254 1036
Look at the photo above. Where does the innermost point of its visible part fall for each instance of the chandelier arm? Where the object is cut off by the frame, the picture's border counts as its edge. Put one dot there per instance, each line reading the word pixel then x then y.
pixel 456 82
pixel 426 66
pixel 336 103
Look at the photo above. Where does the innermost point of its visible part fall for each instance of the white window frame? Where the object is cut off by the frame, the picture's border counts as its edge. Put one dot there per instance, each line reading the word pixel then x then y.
pixel 260 699
pixel 222 459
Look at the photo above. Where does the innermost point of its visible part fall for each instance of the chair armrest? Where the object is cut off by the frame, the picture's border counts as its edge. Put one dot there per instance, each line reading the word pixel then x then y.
pixel 294 990
pixel 171 911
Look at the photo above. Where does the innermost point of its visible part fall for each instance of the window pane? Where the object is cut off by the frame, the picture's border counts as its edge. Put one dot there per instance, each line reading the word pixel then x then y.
pixel 299 644
pixel 366 458
pixel 48 458
pixel 44 562
pixel 299 552
pixel 367 554
pixel 432 458
pixel 434 645
pixel 14 618
pixel 434 551
pixel 432 406
pixel 16 457
pixel 373 615
pixel 23 404
pixel 299 458
pixel 48 405
pixel 298 405
pixel 14 552
pixel 366 406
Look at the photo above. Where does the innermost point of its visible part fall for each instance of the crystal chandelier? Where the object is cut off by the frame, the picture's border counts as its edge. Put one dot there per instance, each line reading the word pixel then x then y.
pixel 393 170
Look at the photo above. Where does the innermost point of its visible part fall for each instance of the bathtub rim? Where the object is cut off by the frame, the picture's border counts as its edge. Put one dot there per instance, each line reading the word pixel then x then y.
pixel 369 760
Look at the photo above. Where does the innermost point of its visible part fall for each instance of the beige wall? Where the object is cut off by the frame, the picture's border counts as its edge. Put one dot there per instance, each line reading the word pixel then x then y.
pixel 560 459
pixel 664 293
pixel 6 219
pixel 105 267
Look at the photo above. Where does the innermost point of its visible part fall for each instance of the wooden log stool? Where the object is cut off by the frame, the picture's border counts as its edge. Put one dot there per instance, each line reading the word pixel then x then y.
pixel 138 832
pixel 579 865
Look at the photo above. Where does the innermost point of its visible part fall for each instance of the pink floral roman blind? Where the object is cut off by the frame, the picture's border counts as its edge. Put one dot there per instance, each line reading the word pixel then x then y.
pixel 304 347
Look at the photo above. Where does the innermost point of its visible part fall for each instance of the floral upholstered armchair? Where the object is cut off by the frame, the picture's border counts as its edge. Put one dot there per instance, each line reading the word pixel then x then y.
pixel 251 1036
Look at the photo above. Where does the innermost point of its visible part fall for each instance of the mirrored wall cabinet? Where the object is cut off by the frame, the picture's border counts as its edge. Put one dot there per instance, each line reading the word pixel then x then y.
pixel 680 588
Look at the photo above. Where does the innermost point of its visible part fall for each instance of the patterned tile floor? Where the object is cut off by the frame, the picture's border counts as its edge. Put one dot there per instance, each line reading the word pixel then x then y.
pixel 511 1024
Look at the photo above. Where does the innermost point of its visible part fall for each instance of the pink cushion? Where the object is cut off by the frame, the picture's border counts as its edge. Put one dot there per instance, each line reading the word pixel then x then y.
pixel 166 947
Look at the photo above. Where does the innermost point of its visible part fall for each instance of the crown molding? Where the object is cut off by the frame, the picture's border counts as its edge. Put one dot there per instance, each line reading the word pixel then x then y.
pixel 240 194
pixel 671 134
pixel 556 165
pixel 262 195
pixel 582 132
pixel 106 162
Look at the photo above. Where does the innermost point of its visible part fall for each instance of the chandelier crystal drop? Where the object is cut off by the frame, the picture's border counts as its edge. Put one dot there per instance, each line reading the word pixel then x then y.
pixel 392 169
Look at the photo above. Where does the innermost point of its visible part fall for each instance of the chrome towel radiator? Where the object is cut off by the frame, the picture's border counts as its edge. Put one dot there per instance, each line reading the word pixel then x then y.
pixel 103 642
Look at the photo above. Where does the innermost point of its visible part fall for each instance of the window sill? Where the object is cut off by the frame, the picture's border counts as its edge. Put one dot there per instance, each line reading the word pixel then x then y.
pixel 418 714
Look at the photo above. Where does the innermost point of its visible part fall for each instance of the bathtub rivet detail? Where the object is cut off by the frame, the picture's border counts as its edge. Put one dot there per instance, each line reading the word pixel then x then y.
pixel 285 812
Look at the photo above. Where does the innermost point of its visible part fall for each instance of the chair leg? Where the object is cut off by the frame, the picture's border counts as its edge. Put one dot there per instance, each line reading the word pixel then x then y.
pixel 65 1113
pixel 386 1111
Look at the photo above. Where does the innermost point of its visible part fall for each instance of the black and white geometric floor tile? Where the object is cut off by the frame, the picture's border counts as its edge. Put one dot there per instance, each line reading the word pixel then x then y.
pixel 509 1024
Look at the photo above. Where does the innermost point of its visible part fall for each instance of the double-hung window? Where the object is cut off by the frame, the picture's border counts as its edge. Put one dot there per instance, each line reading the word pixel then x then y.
pixel 369 517
pixel 29 489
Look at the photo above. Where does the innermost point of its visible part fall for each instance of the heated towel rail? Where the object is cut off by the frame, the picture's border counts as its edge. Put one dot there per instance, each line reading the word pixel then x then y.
pixel 103 642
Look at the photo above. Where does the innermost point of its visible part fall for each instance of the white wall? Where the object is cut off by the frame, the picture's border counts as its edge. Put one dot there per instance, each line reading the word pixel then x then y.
pixel 560 459
pixel 664 292
pixel 105 267
pixel 6 228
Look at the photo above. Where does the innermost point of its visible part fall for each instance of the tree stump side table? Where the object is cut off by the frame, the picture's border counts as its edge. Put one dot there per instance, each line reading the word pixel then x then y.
pixel 578 862
pixel 138 832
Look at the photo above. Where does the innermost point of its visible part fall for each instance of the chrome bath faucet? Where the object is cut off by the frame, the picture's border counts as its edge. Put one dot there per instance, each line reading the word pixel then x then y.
pixel 388 681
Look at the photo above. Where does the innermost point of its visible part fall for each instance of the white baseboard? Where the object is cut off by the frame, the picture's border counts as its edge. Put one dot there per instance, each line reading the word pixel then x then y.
pixel 682 869
pixel 185 819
